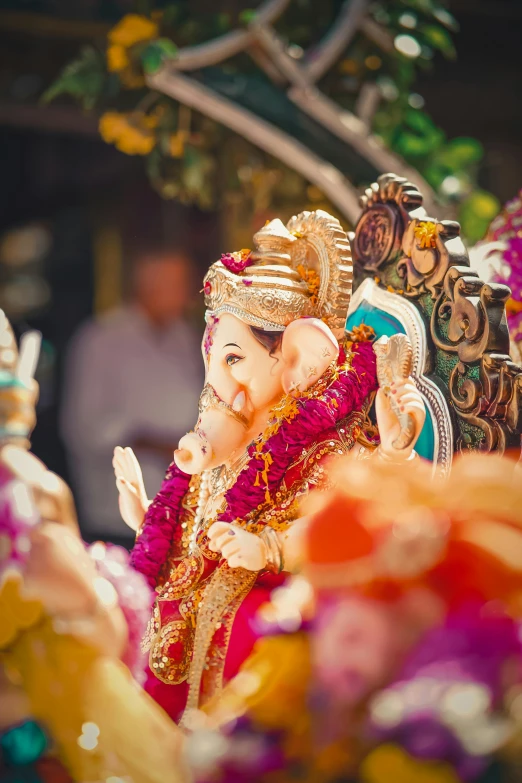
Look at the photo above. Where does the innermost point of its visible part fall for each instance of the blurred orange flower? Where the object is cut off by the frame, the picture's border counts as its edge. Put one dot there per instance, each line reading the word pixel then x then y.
pixel 117 58
pixel 131 30
pixel 177 145
pixel 132 134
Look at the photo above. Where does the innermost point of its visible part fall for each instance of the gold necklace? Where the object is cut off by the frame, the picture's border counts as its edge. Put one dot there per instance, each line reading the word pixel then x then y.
pixel 223 477
pixel 213 484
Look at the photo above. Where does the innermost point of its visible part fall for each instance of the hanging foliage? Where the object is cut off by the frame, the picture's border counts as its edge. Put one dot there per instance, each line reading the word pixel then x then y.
pixel 188 156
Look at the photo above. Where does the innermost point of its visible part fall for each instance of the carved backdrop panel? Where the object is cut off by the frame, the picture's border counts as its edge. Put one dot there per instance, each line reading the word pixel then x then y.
pixel 424 261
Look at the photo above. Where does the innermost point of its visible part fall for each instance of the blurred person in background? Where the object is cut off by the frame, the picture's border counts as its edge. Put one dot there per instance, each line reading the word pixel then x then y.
pixel 133 376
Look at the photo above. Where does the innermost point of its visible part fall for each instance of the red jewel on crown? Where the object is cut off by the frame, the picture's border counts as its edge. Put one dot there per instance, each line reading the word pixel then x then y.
pixel 207 288
pixel 236 262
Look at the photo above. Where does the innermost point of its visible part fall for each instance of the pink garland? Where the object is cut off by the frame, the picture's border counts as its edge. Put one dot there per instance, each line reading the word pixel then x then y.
pixel 161 530
pixel 237 262
pixel 315 416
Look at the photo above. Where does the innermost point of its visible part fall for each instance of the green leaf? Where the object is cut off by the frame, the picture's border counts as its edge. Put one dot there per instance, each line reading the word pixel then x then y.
pixel 435 174
pixel 476 213
pixel 82 79
pixel 155 53
pixel 420 122
pixel 440 39
pixel 418 136
pixel 168 47
pixel 462 152
pixel 151 59
pixel 247 16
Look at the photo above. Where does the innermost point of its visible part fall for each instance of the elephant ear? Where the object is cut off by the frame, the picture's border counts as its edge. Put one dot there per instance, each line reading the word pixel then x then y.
pixel 308 347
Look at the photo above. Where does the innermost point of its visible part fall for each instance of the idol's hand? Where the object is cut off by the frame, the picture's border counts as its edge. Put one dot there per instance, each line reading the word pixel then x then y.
pixel 238 547
pixel 133 500
pixel 409 401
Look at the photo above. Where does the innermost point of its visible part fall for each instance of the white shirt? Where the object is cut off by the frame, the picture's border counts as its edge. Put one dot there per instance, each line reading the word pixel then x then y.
pixel 125 380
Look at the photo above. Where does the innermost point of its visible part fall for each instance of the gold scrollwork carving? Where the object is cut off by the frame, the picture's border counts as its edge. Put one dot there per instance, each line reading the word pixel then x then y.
pixel 387 207
pixel 469 316
pixel 429 249
pixel 491 403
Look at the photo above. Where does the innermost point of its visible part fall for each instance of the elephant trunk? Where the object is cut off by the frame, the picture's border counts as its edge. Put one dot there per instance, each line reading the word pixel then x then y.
pixel 216 436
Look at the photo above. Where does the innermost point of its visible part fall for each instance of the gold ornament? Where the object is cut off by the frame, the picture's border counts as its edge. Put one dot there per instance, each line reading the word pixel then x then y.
pixel 301 269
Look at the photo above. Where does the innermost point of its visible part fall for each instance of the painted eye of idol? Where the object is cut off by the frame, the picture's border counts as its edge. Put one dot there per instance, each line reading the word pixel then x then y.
pixel 232 358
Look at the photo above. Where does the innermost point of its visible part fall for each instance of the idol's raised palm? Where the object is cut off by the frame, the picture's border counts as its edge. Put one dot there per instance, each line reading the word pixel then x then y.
pixel 133 501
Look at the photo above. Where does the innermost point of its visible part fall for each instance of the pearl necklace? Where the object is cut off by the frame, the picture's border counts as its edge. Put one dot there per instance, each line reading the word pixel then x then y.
pixel 201 507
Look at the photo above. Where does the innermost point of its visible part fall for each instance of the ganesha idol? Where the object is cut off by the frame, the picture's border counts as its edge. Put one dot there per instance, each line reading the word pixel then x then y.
pixel 286 391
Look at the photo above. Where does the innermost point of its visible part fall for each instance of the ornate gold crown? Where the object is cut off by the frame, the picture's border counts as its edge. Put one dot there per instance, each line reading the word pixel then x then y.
pixel 301 269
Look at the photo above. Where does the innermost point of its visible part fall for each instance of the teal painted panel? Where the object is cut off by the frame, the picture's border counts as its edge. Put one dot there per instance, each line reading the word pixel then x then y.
pixel 381 322
pixel 385 324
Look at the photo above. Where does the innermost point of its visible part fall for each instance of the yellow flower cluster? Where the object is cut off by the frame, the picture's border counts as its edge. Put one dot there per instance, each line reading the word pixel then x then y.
pixel 131 30
pixel 132 134
pixel 117 59
pixel 312 280
pixel 177 144
pixel 426 234
pixel 513 306
pixel 362 334
pixel 263 474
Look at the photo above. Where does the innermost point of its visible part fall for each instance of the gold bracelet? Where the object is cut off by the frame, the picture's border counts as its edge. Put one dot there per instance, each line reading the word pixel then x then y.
pixel 275 562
